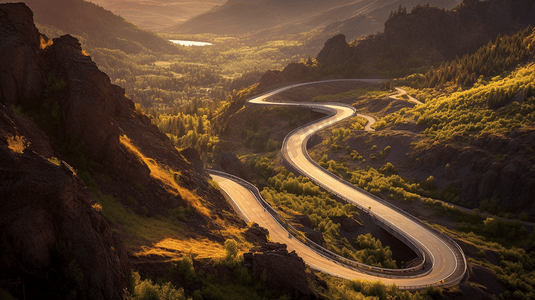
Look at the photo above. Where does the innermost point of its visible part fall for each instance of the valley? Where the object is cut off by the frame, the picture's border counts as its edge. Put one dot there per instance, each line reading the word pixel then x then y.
pixel 118 126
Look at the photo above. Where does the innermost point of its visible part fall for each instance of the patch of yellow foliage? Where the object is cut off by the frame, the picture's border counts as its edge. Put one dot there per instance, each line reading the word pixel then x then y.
pixel 17 143
pixel 201 248
pixel 44 43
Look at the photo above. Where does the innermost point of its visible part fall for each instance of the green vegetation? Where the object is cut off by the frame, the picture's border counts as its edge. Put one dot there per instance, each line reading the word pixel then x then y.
pixel 17 144
pixel 298 195
pixel 185 91
pixel 358 123
pixel 190 93
pixel 361 289
pixel 475 94
pixel 146 289
pixel 226 278
pixel 515 267
pixel 496 57
pixel 385 181
pixel 488 107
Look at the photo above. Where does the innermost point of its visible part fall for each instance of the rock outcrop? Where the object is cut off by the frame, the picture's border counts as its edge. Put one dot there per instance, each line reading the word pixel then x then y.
pixel 279 269
pixel 58 79
pixel 21 75
pixel 54 239
pixel 89 106
pixel 293 72
pixel 335 52
pixel 304 224
pixel 256 234
pixel 231 164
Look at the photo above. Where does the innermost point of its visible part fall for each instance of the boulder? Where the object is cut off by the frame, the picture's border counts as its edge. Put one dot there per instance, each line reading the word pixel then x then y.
pixel 315 236
pixel 280 269
pixel 256 234
pixel 348 224
pixel 303 220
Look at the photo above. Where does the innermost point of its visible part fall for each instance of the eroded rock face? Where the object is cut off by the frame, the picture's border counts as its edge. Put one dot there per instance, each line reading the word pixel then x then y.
pixel 60 74
pixel 256 234
pixel 53 238
pixel 20 66
pixel 280 269
pixel 231 164
pixel 335 52
pixel 490 167
pixel 293 72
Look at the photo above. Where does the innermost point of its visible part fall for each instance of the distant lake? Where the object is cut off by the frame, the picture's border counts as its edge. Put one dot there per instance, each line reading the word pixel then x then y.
pixel 190 43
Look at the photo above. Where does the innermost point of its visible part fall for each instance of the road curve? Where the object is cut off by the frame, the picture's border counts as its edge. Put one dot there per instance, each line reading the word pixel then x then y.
pixel 446 264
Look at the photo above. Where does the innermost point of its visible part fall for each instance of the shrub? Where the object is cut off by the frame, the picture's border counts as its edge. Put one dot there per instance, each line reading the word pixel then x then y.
pixel 147 290
pixel 231 249
pixel 184 268
pixel 17 144
pixel 180 213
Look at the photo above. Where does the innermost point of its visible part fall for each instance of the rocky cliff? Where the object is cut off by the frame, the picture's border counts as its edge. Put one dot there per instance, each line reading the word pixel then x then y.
pixel 54 240
pixel 55 103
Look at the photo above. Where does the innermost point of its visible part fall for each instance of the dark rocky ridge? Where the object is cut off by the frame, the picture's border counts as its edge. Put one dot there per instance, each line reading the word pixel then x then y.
pixel 430 34
pixel 49 220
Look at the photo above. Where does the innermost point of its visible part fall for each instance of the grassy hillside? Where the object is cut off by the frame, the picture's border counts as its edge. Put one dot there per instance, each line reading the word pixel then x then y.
pixel 273 18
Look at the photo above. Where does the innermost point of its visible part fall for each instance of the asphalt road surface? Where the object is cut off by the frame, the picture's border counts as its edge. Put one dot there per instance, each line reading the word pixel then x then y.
pixel 445 263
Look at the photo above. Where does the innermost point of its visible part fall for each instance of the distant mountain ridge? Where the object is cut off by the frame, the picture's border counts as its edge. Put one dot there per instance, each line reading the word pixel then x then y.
pixel 98 26
pixel 158 14
pixel 276 17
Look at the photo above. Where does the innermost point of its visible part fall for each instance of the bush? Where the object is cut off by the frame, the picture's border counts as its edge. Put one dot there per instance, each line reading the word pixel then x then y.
pixel 231 249
pixel 147 290
pixel 180 213
pixel 185 268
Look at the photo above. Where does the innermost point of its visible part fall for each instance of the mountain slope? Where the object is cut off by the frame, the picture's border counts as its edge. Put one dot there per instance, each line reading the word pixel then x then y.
pixel 158 14
pixel 62 228
pixel 274 17
pixel 428 35
pixel 101 28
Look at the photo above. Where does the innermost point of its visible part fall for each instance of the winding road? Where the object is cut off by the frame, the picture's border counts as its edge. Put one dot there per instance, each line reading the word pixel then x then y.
pixel 445 264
